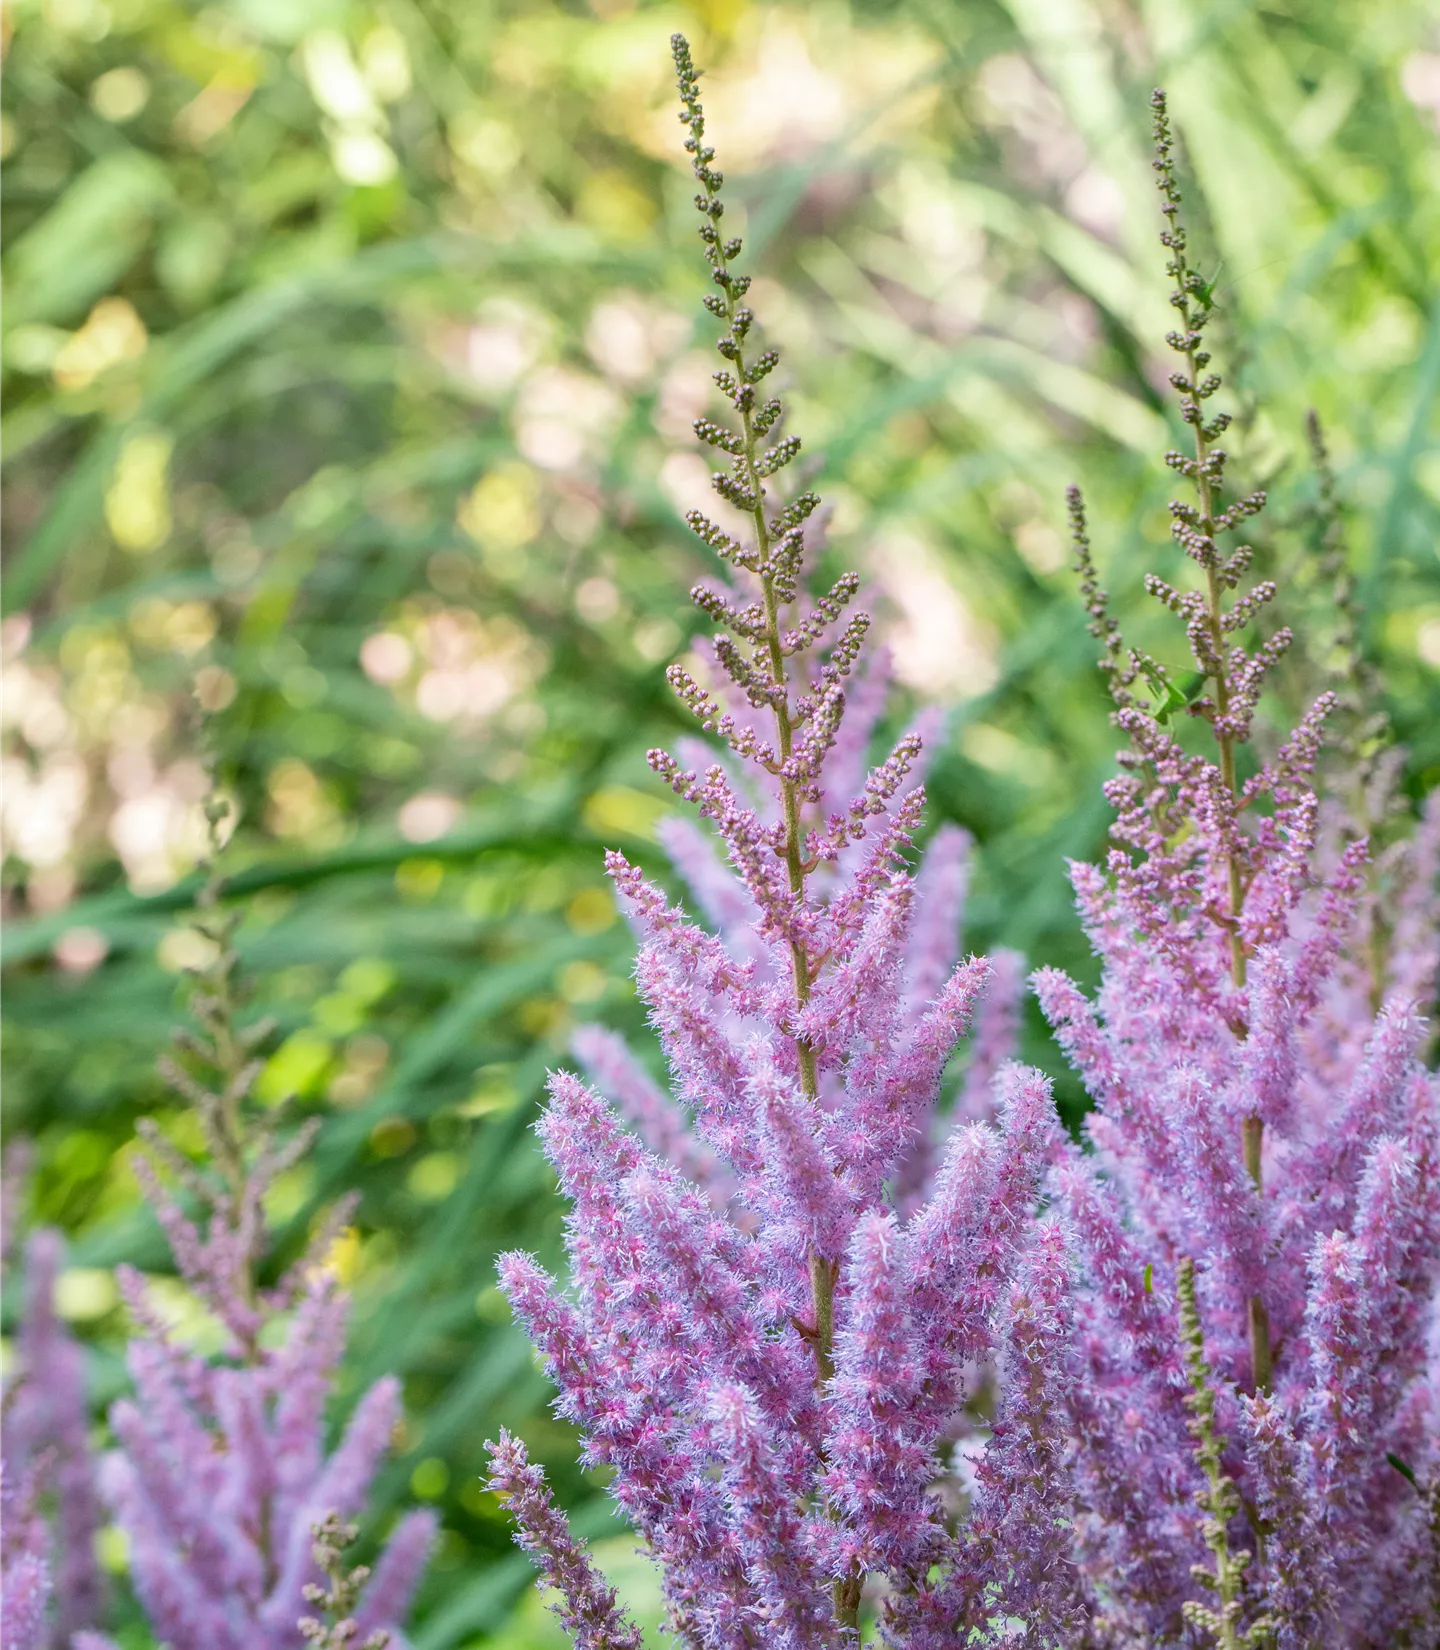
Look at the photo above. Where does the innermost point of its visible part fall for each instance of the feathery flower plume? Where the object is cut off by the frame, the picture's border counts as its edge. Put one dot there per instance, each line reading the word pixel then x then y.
pixel 783 1309
pixel 24 1567
pixel 23 1538
pixel 1254 1056
pixel 583 1601
pixel 47 1440
pixel 220 1476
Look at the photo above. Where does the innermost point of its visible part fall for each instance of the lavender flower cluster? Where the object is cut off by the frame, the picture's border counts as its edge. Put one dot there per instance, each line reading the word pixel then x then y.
pixel 46 1457
pixel 857 1362
pixel 1260 1109
pixel 1174 1385
pixel 219 1480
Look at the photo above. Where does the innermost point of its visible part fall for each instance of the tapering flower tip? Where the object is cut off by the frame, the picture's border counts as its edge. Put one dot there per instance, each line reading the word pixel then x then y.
pixel 873 1343
pixel 792 1600
pixel 697 1251
pixel 941 886
pixel 395 1577
pixel 887 1121
pixel 721 896
pixel 1040 1296
pixel 586 1604
pixel 44 1254
pixel 346 1479
pixel 740 1437
pixel 614 1070
pixel 1135 1298
pixel 556 1329
pixel 1373 1104
pixel 809 1198
pixel 1387 1221
pixel 945 1229
pixel 874 1360
pixel 1336 1330
pixel 641 902
pixel 523 1281
pixel 621 1078
pixel 966 1237
pixel 1078 1030
pixel 880 1466
pixel 875 1266
pixel 1027 1114
pixel 995 1034
pixel 583 1138
pixel 735 1417
pixel 1224 1204
pixel 1269 1066
pixel 859 995
pixel 949 1013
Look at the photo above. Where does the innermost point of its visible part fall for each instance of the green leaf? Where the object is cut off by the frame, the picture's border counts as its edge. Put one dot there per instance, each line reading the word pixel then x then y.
pixel 86 241
pixel 1402 1469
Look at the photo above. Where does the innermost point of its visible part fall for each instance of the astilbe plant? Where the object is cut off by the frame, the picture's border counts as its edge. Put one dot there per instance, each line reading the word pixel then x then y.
pixel 24 1540
pixel 778 1313
pixel 52 1509
pixel 25 1563
pixel 220 1474
pixel 1254 1055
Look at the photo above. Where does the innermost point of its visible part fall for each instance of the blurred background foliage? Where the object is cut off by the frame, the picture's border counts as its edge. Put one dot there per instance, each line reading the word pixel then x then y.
pixel 350 351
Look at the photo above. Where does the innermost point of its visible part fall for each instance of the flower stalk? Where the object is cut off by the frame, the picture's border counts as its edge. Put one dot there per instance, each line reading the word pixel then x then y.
pixel 776 579
pixel 769 1355
pixel 1197 530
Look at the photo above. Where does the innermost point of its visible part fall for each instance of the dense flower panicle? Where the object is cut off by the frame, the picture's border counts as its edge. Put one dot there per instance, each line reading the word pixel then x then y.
pixel 792 1294
pixel 47 1445
pixel 995 1036
pixel 24 1567
pixel 786 1286
pixel 1254 1055
pixel 1016 1565
pixel 1023 1510
pixel 792 1606
pixel 879 1465
pixel 23 1538
pixel 220 1473
pixel 1301 1567
pixel 50 1421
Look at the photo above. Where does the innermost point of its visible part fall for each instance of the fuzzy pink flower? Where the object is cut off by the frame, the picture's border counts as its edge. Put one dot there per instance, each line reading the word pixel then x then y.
pixel 780 1306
